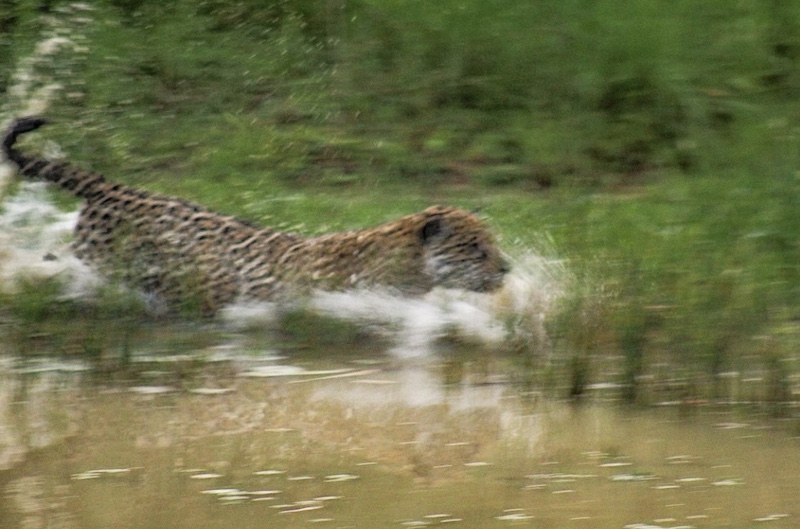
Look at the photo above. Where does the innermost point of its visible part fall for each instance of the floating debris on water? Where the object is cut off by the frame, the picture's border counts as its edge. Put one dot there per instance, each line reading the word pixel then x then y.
pixel 374 381
pixel 443 518
pixel 632 477
pixel 335 478
pixel 615 464
pixel 728 482
pixel 681 459
pixel 537 486
pixel 233 495
pixel 432 519
pixel 152 390
pixel 561 477
pixel 163 359
pixel 299 507
pixel 651 526
pixel 771 517
pixel 273 371
pixel 233 498
pixel 731 425
pixel 219 492
pixel 556 478
pixel 102 472
pixel 289 371
pixel 211 391
pixel 603 385
pixel 206 475
pixel 270 472
pixel 340 373
pixel 51 366
pixel 477 464
pixel 512 515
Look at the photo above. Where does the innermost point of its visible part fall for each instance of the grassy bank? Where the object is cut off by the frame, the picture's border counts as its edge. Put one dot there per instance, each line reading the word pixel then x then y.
pixel 657 147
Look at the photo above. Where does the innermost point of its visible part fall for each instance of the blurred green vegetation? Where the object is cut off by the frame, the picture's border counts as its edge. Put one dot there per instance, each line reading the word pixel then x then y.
pixel 656 143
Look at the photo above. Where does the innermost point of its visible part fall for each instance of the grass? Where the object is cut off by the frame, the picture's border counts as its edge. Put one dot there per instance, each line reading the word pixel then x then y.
pixel 657 146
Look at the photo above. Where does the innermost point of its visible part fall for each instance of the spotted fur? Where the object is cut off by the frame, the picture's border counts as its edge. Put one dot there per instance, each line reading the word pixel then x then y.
pixel 181 251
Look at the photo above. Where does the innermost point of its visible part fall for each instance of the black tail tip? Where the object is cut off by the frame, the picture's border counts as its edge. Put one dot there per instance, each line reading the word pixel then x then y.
pixel 28 124
pixel 20 126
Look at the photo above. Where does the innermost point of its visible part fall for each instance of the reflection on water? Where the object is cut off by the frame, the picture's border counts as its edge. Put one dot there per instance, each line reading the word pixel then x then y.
pixel 221 437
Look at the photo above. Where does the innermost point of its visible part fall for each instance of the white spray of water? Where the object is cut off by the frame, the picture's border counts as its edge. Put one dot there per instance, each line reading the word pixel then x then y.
pixel 34 243
pixel 530 292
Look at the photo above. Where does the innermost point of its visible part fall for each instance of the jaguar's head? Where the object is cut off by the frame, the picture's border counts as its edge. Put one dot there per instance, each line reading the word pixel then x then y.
pixel 460 252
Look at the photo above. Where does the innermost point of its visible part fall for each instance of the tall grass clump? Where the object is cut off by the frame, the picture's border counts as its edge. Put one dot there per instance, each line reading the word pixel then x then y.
pixel 699 272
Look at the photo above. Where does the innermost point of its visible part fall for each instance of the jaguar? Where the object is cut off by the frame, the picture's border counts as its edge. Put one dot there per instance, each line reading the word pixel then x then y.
pixel 178 251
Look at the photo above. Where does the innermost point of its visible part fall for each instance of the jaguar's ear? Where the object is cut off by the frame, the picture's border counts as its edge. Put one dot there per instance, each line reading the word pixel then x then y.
pixel 433 227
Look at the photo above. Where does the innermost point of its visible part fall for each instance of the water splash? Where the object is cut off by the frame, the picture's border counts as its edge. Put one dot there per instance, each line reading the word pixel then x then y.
pixel 518 310
pixel 530 292
pixel 34 243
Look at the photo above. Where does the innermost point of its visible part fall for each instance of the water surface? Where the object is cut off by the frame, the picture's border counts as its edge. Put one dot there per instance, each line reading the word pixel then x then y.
pixel 223 435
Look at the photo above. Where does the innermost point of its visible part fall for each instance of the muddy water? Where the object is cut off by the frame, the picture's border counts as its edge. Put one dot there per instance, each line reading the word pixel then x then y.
pixel 226 436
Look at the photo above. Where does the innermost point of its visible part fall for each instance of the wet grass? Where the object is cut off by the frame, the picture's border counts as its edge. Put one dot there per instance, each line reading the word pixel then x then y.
pixel 657 149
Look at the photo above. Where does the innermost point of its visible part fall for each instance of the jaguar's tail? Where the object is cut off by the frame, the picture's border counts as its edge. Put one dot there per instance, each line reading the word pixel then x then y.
pixel 80 183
